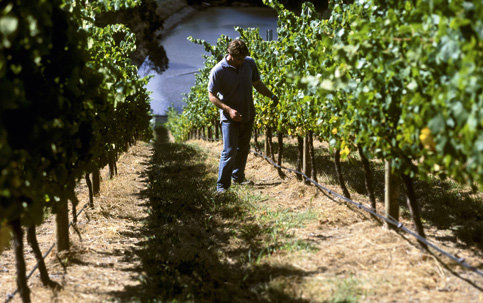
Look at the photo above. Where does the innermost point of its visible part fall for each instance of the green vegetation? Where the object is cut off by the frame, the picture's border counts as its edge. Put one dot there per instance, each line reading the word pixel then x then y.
pixel 71 103
pixel 78 96
pixel 201 246
pixel 346 291
pixel 385 76
pixel 385 79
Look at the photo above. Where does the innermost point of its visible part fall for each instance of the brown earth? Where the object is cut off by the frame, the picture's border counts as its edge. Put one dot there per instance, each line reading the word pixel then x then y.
pixel 287 242
pixel 100 262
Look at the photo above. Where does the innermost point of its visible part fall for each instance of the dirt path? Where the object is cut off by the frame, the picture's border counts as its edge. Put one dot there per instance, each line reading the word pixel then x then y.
pixel 351 257
pixel 158 232
pixel 103 265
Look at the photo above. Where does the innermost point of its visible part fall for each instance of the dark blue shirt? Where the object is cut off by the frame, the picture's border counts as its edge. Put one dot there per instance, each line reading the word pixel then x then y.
pixel 234 87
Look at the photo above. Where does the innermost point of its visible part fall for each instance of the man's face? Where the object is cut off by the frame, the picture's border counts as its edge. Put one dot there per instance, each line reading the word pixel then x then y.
pixel 236 61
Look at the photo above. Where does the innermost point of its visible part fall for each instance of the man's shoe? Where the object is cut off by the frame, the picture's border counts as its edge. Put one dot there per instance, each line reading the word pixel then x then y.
pixel 220 191
pixel 243 182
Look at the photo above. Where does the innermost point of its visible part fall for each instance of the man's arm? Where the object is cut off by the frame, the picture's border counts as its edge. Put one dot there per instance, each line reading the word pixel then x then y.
pixel 234 115
pixel 262 89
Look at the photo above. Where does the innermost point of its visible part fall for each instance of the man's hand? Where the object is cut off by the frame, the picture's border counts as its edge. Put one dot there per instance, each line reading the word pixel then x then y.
pixel 262 89
pixel 234 115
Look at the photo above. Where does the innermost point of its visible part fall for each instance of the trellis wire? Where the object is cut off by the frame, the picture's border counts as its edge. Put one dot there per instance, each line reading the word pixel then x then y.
pixel 11 295
pixel 399 225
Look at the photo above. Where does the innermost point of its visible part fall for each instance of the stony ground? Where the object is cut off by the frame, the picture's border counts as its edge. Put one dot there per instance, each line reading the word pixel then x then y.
pixel 158 233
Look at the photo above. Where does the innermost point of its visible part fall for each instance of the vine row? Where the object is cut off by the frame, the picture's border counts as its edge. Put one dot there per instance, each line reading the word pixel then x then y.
pixel 399 81
pixel 71 103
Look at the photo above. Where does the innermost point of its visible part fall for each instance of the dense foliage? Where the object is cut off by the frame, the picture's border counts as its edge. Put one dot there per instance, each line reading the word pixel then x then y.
pixel 71 99
pixel 401 79
pixel 145 21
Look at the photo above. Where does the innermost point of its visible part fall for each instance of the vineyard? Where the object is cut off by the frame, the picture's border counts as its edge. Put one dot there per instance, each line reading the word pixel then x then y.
pixel 159 233
pixel 382 102
pixel 391 81
pixel 395 81
pixel 72 102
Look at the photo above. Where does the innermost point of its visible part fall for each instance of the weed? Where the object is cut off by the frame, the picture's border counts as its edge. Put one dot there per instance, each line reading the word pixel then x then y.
pixel 346 291
pixel 276 228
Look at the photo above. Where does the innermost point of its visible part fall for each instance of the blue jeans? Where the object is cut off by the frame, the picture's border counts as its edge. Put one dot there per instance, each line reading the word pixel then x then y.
pixel 233 159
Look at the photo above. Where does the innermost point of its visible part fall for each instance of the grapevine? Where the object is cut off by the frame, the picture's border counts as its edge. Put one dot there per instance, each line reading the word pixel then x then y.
pixel 72 101
pixel 399 81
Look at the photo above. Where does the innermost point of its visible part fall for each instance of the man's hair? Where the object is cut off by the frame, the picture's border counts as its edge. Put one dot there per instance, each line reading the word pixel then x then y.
pixel 237 48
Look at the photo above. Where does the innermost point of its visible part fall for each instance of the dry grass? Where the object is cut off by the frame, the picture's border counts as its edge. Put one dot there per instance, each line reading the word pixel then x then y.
pixel 102 263
pixel 158 232
pixel 380 265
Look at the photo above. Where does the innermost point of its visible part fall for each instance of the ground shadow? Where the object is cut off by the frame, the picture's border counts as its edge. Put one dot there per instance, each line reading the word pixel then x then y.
pixel 442 204
pixel 188 254
pixel 453 208
pixel 352 169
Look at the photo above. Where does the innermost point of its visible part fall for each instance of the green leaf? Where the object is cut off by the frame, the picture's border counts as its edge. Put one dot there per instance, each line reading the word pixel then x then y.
pixel 437 124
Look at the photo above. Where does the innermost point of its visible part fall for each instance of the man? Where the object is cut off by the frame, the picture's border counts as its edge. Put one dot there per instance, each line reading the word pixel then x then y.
pixel 230 89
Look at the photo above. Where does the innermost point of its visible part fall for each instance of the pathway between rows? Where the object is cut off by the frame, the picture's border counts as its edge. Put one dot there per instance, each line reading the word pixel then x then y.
pixel 158 232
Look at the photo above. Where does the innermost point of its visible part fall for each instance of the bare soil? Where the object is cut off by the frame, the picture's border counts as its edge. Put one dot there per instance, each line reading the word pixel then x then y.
pixel 101 261
pixel 159 233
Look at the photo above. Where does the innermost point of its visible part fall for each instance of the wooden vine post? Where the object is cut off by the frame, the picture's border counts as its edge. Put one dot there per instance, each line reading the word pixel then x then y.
pixel 312 156
pixel 391 197
pixel 112 169
pixel 307 168
pixel 300 155
pixel 62 227
pixel 96 181
pixel 280 155
pixel 268 141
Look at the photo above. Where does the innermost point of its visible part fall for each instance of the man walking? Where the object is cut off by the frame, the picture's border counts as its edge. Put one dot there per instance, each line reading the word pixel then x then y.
pixel 230 89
